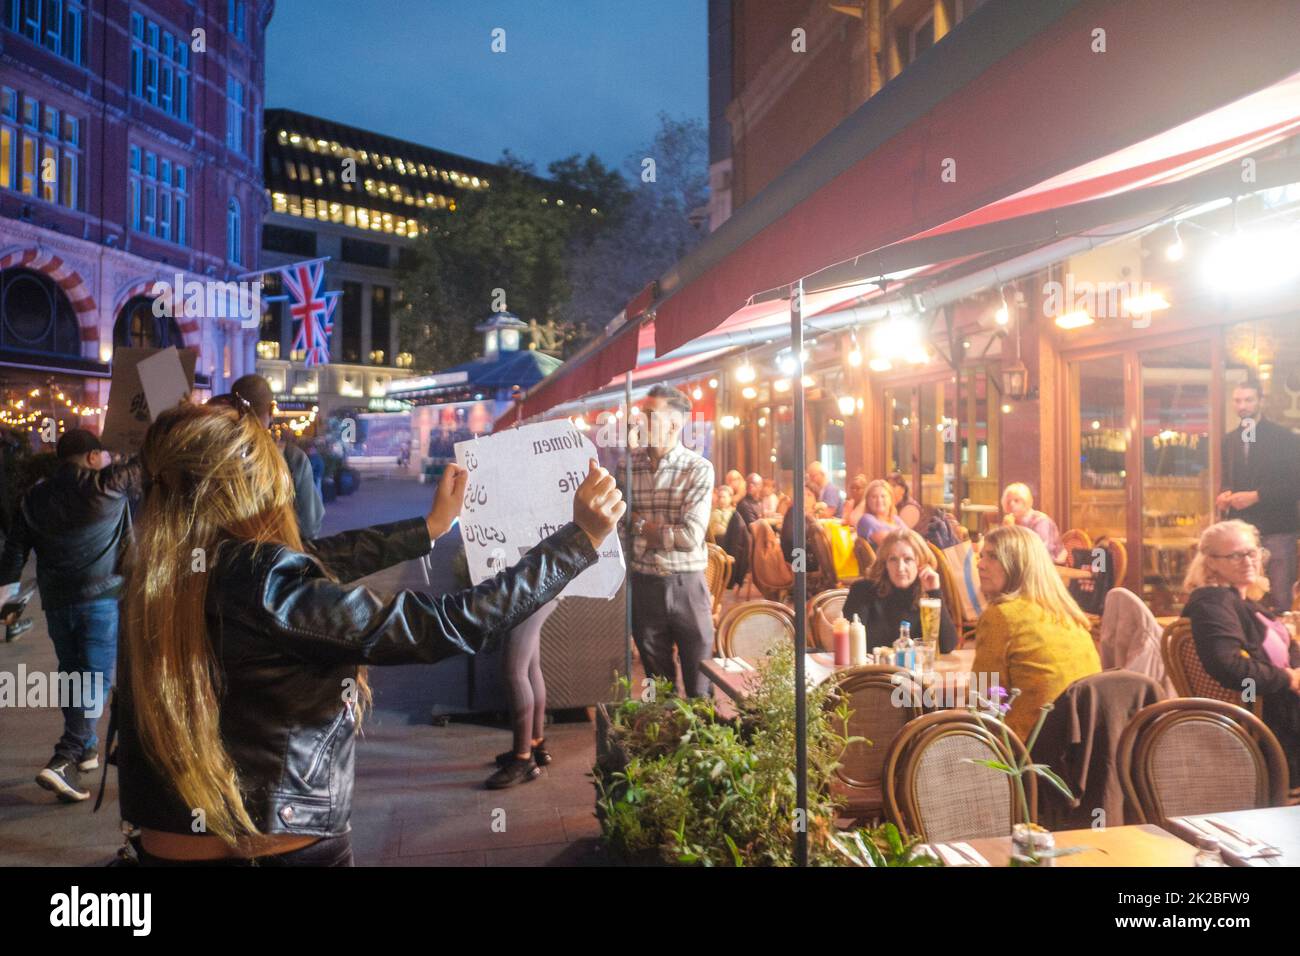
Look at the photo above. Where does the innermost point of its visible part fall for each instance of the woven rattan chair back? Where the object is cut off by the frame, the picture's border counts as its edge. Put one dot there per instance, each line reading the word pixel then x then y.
pixel 932 791
pixel 1196 755
pixel 823 610
pixel 882 700
pixel 751 629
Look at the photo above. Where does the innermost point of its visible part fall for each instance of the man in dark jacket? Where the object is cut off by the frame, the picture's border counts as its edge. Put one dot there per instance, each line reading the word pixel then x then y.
pixel 306 496
pixel 1261 464
pixel 78 523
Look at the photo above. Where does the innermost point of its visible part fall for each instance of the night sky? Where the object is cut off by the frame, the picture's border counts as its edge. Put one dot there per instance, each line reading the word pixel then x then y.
pixel 578 76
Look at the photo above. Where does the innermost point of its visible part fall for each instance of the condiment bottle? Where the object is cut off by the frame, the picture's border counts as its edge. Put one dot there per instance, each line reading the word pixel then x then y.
pixel 840 632
pixel 858 636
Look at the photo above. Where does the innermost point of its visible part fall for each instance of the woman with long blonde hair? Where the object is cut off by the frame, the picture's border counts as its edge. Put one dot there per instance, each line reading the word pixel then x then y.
pixel 1032 636
pixel 1242 643
pixel 243 657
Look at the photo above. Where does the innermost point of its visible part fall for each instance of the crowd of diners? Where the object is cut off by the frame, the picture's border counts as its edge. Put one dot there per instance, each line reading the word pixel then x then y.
pixel 1032 632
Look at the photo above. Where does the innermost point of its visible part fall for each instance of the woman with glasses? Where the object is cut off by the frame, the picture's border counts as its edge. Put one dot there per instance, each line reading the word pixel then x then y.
pixel 892 588
pixel 1241 643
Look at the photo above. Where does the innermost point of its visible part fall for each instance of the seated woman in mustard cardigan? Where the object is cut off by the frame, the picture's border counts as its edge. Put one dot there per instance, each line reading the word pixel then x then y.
pixel 1032 635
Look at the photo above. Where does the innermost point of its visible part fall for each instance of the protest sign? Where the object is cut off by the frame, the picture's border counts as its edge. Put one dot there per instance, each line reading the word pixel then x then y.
pixel 130 411
pixel 520 490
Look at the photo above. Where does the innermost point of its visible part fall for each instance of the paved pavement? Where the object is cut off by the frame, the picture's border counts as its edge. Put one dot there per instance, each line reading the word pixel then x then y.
pixel 419 798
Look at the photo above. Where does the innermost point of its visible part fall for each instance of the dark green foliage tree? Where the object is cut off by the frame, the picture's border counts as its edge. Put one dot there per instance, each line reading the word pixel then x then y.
pixel 503 238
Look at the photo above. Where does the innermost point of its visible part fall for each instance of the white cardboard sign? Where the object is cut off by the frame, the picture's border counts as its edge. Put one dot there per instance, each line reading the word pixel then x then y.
pixel 520 490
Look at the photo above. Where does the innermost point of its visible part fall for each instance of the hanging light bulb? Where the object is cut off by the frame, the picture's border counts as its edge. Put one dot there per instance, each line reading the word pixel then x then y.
pixel 807 381
pixel 698 393
pixel 745 373
pixel 749 393
pixel 846 404
pixel 713 383
pixel 781 385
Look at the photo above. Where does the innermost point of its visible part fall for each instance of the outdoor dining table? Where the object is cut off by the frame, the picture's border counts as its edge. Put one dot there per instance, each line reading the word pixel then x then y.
pixel 1140 845
pixel 952 669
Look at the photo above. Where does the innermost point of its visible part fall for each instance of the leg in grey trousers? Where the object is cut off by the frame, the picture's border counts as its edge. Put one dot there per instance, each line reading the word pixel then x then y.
pixel 1281 567
pixel 674 610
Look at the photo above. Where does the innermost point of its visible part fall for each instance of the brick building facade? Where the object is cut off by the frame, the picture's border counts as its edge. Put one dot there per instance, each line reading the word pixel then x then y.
pixel 129 153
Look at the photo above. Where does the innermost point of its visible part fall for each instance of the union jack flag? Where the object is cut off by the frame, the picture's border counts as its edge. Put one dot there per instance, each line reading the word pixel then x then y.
pixel 312 308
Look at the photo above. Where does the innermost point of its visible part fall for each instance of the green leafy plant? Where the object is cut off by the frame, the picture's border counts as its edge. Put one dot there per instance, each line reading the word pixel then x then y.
pixel 679 785
pixel 997 705
pixel 881 846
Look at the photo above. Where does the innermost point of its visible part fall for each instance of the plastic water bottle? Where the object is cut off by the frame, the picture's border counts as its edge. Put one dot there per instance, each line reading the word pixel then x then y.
pixel 904 648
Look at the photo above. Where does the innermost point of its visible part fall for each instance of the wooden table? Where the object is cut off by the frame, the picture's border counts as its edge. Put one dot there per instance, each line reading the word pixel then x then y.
pixel 948 667
pixel 1143 845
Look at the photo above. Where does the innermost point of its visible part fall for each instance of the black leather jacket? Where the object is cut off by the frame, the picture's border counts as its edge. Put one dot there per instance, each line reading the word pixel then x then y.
pixel 288 642
pixel 77 520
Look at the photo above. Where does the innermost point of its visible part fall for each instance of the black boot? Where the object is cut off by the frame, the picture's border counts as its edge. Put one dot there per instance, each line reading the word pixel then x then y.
pixel 518 770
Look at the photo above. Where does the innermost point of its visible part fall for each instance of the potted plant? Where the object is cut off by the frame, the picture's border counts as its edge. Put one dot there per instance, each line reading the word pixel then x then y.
pixel 677 785
pixel 1031 844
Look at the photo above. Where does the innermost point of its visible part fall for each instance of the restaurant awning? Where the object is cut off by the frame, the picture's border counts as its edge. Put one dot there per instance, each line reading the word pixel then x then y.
pixel 1014 104
pixel 1022 93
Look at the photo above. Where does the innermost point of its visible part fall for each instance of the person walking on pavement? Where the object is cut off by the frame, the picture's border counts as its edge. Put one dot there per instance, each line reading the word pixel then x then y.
pixel 671 491
pixel 1260 462
pixel 307 503
pixel 78 523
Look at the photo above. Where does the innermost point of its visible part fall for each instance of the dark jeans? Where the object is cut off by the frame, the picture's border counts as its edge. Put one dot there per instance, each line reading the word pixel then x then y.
pixel 85 642
pixel 328 851
pixel 674 610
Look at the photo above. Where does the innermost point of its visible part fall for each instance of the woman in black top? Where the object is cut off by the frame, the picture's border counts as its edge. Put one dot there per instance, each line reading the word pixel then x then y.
pixel 892 589
pixel 1240 643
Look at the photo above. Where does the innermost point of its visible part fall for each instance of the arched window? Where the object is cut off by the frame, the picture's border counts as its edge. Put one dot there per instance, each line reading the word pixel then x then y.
pixel 35 315
pixel 138 328
pixel 233 245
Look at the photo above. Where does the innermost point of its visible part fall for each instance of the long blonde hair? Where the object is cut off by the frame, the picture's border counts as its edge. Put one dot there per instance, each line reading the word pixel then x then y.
pixel 878 573
pixel 1200 574
pixel 1031 574
pixel 214 476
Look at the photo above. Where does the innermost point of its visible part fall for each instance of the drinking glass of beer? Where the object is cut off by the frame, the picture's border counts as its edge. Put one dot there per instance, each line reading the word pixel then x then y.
pixel 930 620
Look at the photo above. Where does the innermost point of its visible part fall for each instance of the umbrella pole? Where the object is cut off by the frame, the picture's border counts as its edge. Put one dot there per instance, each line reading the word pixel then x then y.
pixel 796 514
pixel 627 485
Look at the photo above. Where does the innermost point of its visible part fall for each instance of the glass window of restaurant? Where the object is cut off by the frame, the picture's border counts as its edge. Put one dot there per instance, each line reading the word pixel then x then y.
pixel 936 431
pixel 1144 426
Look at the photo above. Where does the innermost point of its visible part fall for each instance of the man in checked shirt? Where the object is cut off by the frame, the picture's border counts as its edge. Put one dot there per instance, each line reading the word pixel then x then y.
pixel 671 498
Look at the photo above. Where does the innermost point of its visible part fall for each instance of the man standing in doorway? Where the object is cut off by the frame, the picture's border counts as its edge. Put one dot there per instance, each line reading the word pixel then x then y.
pixel 817 480
pixel 671 489
pixel 1261 485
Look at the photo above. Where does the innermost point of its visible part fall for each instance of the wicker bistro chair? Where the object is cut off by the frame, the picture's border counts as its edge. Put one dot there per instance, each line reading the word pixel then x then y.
pixel 874 693
pixel 823 609
pixel 1188 674
pixel 750 629
pixel 865 553
pixel 930 791
pixel 1194 755
pixel 1076 538
pixel 767 567
pixel 951 595
pixel 718 574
